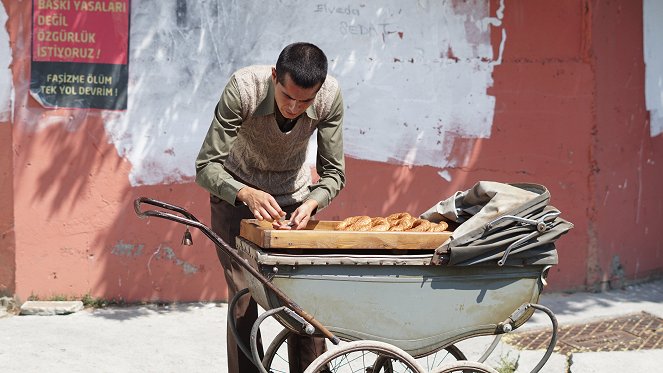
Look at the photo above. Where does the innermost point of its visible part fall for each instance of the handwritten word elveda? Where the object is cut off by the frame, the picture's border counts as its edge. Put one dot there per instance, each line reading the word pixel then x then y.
pixel 324 8
pixel 83 5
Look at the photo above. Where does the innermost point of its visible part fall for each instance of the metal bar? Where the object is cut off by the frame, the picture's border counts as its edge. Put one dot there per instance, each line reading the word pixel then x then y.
pixel 233 325
pixel 553 338
pixel 516 244
pixel 254 337
pixel 191 221
pixel 490 349
pixel 164 205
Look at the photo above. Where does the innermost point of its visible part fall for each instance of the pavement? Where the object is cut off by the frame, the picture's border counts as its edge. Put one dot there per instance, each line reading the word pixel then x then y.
pixel 191 337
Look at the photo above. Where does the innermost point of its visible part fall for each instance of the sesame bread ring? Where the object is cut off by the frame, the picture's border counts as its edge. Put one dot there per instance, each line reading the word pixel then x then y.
pixel 360 226
pixel 420 225
pixel 400 225
pixel 380 224
pixel 353 220
pixel 394 218
pixel 440 227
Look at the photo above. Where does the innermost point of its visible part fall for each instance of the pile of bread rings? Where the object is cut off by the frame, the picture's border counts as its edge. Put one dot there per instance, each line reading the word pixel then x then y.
pixel 398 222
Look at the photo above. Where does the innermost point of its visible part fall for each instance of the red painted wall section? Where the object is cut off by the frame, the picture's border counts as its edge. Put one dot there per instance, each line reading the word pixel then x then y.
pixel 7 239
pixel 627 204
pixel 541 133
pixel 543 118
pixel 569 114
pixel 7 242
pixel 76 230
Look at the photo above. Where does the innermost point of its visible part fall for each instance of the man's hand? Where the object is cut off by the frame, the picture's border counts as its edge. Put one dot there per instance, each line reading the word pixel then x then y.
pixel 299 217
pixel 261 204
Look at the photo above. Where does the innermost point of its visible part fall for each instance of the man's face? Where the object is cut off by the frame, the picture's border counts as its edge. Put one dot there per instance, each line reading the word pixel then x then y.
pixel 291 99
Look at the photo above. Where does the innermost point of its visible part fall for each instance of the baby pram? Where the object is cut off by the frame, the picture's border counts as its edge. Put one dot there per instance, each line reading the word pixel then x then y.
pixel 392 309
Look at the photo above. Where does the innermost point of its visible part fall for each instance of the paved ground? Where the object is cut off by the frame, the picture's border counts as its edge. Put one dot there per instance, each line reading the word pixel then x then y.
pixel 578 308
pixel 191 337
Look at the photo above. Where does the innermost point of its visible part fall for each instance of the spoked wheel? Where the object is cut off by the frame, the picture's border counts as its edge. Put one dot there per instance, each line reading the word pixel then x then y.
pixel 362 356
pixel 276 356
pixel 464 367
pixel 429 362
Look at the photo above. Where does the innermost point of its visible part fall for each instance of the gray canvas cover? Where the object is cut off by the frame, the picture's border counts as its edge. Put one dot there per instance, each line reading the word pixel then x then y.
pixel 511 224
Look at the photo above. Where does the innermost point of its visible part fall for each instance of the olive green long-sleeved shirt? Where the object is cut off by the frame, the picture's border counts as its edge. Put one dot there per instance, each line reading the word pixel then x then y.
pixel 227 124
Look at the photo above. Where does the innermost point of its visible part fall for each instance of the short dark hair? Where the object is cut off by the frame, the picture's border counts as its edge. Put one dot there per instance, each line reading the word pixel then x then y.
pixel 304 62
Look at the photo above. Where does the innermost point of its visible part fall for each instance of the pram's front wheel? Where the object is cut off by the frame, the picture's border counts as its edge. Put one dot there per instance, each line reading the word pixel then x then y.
pixel 276 357
pixel 362 356
pixel 465 367
pixel 429 362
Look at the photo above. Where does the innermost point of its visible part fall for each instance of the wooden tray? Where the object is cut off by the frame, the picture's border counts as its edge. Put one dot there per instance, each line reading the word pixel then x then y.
pixel 320 234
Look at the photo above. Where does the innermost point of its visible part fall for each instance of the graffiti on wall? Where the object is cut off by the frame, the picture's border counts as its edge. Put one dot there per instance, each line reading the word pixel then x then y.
pixel 652 13
pixel 5 72
pixel 80 53
pixel 414 74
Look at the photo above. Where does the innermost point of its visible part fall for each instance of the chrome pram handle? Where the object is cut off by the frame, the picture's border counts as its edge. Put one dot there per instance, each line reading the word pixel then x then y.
pixel 542 224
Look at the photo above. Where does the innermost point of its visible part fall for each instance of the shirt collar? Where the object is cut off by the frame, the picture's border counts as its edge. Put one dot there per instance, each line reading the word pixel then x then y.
pixel 267 105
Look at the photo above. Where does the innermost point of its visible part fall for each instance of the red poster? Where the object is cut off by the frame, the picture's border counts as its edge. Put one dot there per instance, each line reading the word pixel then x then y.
pixel 80 53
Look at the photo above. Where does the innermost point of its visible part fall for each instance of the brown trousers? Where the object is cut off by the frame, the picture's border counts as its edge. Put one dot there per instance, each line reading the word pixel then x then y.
pixel 302 350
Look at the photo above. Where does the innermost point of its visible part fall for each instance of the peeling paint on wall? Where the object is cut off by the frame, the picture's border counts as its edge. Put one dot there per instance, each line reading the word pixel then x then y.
pixel 652 13
pixel 162 253
pixel 6 90
pixel 413 73
pixel 127 249
pixel 167 253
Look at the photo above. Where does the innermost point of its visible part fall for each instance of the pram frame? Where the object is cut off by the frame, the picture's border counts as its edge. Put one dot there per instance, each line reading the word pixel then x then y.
pixel 519 316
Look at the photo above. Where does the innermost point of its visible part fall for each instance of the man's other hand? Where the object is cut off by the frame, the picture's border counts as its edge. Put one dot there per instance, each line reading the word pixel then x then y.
pixel 302 215
pixel 261 204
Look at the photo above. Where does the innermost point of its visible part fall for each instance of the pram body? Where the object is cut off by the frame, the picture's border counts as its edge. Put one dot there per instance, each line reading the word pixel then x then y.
pixel 397 299
pixel 484 279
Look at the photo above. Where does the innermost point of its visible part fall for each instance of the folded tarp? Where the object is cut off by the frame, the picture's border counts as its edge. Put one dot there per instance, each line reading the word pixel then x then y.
pixel 511 224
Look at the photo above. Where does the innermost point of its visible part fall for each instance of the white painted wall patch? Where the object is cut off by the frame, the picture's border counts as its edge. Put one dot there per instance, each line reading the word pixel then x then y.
pixel 6 86
pixel 652 12
pixel 414 74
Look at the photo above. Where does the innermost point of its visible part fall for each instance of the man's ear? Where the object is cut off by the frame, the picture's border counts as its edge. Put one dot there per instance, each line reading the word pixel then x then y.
pixel 274 75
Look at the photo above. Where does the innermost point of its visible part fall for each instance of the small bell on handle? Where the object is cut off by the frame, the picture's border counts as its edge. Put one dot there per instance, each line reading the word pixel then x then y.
pixel 187 240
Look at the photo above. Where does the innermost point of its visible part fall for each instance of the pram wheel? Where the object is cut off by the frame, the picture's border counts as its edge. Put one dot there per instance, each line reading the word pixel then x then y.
pixel 362 356
pixel 276 357
pixel 429 362
pixel 465 367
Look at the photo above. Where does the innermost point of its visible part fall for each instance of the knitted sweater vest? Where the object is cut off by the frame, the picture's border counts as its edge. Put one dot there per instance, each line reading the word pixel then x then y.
pixel 266 158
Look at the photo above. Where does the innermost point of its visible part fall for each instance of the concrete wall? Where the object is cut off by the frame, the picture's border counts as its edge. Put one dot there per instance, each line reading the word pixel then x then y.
pixel 625 237
pixel 439 95
pixel 7 244
pixel 7 247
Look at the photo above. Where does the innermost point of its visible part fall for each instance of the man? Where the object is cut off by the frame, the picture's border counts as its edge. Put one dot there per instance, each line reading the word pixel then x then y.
pixel 252 162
